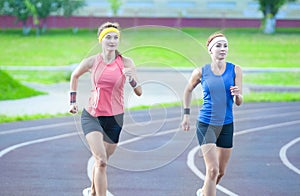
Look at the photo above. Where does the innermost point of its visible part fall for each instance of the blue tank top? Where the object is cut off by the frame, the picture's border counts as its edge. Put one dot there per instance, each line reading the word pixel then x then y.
pixel 217 98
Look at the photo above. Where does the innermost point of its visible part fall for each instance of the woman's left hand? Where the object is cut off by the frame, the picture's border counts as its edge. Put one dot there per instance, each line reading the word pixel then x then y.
pixel 235 90
pixel 128 72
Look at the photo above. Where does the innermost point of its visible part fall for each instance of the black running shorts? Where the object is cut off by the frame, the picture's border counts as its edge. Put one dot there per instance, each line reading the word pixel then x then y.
pixel 222 136
pixel 109 126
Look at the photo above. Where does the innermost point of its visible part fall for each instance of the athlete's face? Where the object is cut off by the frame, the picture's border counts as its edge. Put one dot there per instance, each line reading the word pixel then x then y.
pixel 219 50
pixel 110 41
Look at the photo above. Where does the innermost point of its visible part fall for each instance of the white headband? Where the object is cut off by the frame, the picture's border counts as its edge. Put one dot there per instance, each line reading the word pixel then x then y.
pixel 214 41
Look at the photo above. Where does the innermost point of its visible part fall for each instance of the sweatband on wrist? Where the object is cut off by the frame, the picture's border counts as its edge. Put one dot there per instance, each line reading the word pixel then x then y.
pixel 73 97
pixel 133 83
pixel 186 111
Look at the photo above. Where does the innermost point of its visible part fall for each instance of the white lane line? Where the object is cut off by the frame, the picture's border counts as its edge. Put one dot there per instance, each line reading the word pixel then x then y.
pixel 267 116
pixel 8 149
pixel 35 128
pixel 16 146
pixel 267 127
pixel 191 164
pixel 91 159
pixel 283 157
pixel 148 135
pixel 90 162
pixel 258 110
pixel 20 145
pixel 10 131
pixel 191 161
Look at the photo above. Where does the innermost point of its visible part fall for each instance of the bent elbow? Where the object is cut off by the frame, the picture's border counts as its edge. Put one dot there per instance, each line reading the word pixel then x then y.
pixel 139 93
pixel 238 103
pixel 74 76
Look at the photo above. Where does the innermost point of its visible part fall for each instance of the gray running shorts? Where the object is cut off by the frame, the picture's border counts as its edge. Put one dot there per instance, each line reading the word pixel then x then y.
pixel 222 136
pixel 109 126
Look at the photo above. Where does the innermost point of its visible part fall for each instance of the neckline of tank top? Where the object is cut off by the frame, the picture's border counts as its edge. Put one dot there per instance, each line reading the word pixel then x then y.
pixel 226 66
pixel 108 64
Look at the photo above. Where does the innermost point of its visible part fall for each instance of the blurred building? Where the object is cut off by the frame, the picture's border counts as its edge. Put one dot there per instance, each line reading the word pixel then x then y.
pixel 174 13
pixel 242 9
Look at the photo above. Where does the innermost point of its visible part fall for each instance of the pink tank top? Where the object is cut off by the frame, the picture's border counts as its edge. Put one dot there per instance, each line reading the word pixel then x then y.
pixel 107 94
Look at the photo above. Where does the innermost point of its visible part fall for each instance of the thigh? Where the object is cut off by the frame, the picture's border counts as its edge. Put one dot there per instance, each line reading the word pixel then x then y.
pixel 97 147
pixel 209 152
pixel 223 156
pixel 110 149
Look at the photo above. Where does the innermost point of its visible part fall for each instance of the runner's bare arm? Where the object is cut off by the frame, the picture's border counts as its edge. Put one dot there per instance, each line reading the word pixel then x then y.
pixel 84 66
pixel 187 97
pixel 237 90
pixel 193 82
pixel 130 72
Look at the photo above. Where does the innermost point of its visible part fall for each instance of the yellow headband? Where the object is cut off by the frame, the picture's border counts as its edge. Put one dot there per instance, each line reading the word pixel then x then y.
pixel 108 30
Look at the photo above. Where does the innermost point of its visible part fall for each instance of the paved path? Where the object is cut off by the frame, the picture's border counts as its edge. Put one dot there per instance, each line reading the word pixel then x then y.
pixel 155 158
pixel 159 86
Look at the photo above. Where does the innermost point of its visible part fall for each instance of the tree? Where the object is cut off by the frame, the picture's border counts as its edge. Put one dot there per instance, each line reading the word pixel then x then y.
pixel 41 9
pixel 115 6
pixel 38 9
pixel 68 7
pixel 19 9
pixel 30 6
pixel 270 9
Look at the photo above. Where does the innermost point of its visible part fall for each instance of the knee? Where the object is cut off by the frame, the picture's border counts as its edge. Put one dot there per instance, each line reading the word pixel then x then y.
pixel 100 162
pixel 213 173
pixel 221 174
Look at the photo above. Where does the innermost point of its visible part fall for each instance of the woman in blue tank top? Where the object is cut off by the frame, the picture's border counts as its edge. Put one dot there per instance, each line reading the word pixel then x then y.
pixel 221 84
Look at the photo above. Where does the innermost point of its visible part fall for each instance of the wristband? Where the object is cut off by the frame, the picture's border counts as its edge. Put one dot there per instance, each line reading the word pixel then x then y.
pixel 186 111
pixel 73 97
pixel 133 83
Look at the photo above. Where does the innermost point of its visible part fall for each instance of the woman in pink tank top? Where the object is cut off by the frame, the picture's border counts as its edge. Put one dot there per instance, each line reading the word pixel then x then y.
pixel 102 118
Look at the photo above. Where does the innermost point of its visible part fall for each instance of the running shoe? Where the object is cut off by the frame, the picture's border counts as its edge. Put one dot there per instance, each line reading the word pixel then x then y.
pixel 199 192
pixel 86 191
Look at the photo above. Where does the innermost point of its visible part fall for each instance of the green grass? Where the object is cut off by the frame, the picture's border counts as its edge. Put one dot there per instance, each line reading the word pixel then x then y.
pixel 153 46
pixel 273 78
pixel 43 77
pixel 149 47
pixel 271 97
pixel 6 119
pixel 12 89
pixel 55 48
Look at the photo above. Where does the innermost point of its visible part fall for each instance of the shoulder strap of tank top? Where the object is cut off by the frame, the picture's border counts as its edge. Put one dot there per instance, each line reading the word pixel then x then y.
pixel 233 71
pixel 120 63
pixel 232 66
pixel 204 68
pixel 98 69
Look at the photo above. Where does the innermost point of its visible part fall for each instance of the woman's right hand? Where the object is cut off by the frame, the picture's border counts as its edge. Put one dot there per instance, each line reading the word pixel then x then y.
pixel 73 108
pixel 185 124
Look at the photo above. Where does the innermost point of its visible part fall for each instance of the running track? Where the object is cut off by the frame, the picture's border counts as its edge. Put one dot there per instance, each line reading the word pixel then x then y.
pixel 50 156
